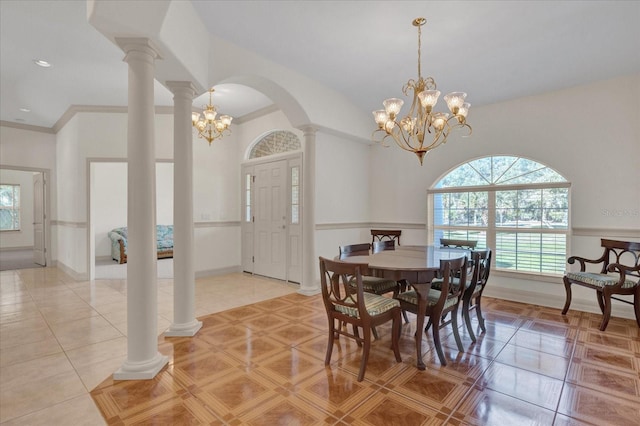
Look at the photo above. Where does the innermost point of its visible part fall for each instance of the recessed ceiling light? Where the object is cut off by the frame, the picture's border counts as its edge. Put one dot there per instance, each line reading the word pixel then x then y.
pixel 41 63
pixel 25 110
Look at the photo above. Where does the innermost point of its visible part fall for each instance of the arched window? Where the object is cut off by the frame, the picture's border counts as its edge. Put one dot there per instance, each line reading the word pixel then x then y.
pixel 517 207
pixel 275 142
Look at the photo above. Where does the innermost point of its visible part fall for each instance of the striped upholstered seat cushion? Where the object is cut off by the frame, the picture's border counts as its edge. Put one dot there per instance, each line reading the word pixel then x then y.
pixel 375 284
pixel 432 298
pixel 436 283
pixel 598 280
pixel 374 304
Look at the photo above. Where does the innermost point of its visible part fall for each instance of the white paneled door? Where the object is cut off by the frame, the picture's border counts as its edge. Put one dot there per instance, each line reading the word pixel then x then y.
pixel 270 219
pixel 38 220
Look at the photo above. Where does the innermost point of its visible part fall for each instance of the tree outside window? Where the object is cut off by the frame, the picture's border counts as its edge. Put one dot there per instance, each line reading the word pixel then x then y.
pixel 9 207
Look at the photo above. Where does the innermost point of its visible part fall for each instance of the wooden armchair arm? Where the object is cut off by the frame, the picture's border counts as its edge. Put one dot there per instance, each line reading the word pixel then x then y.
pixel 623 270
pixel 584 260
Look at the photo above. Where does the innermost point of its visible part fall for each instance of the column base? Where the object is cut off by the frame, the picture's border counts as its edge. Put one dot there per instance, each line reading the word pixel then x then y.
pixel 184 330
pixel 141 370
pixel 308 291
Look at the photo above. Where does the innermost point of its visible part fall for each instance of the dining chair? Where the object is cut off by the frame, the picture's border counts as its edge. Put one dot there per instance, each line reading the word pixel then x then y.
pixel 403 284
pixel 618 275
pixel 386 234
pixel 346 305
pixel 472 296
pixel 383 245
pixel 370 284
pixel 440 302
pixel 468 244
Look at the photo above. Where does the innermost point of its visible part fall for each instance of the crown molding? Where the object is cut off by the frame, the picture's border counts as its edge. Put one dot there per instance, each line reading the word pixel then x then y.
pixel 75 109
pixel 29 127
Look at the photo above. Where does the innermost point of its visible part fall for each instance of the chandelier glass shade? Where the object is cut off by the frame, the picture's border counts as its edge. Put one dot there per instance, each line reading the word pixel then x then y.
pixel 208 126
pixel 422 129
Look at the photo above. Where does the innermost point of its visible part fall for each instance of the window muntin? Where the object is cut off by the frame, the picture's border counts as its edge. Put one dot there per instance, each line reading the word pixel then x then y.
pixel 516 206
pixel 9 207
pixel 276 142
pixel 247 197
pixel 295 195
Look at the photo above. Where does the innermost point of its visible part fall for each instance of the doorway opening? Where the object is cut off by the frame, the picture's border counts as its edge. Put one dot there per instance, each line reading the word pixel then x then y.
pixel 25 224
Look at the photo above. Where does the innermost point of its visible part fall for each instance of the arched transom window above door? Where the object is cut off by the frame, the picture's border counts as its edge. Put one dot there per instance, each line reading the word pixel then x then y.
pixel 275 142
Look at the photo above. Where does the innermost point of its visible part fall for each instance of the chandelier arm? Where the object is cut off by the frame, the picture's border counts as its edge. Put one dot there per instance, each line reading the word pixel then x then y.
pixel 406 146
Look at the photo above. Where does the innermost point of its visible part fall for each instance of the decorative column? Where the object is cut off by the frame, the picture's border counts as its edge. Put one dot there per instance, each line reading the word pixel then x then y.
pixel 310 267
pixel 184 321
pixel 143 359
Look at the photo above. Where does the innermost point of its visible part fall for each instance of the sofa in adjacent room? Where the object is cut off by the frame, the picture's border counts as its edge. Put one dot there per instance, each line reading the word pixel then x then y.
pixel 164 242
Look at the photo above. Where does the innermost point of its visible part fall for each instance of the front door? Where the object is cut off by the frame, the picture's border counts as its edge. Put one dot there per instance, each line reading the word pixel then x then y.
pixel 38 220
pixel 270 226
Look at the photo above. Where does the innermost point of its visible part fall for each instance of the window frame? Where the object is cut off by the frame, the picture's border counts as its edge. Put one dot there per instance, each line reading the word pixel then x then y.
pixel 13 206
pixel 491 230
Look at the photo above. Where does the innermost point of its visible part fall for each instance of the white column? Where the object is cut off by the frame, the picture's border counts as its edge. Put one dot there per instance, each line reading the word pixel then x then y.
pixel 309 286
pixel 184 321
pixel 143 359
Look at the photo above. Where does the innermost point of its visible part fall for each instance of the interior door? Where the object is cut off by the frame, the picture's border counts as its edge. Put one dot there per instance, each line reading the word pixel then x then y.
pixel 270 226
pixel 39 256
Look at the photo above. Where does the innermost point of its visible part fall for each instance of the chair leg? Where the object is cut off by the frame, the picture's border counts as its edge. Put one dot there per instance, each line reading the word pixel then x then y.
pixel 606 312
pixel 567 289
pixel 436 342
pixel 395 337
pixel 357 334
pixel 406 318
pixel 426 327
pixel 332 335
pixel 456 331
pixel 636 304
pixel 601 302
pixel 479 314
pixel 375 333
pixel 365 354
pixel 467 319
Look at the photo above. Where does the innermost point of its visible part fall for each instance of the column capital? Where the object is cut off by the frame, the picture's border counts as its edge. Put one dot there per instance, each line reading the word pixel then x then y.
pixel 181 87
pixel 138 44
pixel 309 129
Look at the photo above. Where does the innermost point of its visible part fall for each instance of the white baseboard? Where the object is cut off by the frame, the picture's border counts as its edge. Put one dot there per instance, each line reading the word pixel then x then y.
pixel 621 310
pixel 16 248
pixel 77 276
pixel 218 271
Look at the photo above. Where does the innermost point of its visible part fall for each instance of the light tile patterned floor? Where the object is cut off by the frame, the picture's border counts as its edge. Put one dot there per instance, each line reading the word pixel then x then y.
pixel 263 363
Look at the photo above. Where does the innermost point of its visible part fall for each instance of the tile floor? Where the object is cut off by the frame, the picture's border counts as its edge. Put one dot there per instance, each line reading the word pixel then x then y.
pixel 262 363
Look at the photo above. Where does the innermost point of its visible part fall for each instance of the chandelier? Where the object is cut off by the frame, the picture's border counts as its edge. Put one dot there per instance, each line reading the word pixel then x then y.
pixel 423 129
pixel 208 126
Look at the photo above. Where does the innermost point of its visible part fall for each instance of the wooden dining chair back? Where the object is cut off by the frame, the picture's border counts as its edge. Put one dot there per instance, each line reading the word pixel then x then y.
pixel 362 310
pixel 371 284
pixel 441 302
pixel 619 274
pixel 379 246
pixel 468 244
pixel 472 296
pixel 386 234
pixel 363 249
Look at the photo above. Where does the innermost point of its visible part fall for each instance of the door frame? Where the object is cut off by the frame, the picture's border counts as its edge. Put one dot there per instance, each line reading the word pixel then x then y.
pixel 46 173
pixel 295 157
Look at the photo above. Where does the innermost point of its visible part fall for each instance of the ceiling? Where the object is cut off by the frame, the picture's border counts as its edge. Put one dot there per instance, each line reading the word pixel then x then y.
pixel 367 50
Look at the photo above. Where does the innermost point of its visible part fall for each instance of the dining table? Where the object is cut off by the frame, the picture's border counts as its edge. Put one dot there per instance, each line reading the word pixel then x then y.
pixel 418 266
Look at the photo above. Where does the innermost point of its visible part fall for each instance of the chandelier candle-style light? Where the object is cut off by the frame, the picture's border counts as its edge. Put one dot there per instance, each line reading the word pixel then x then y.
pixel 423 129
pixel 208 126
